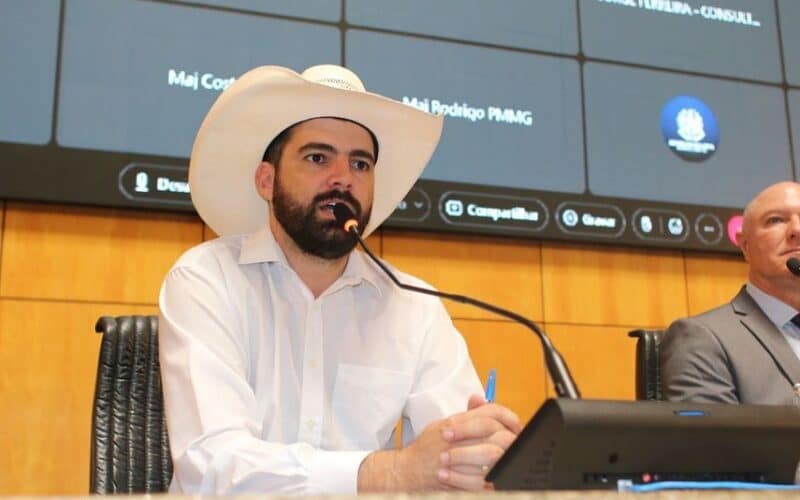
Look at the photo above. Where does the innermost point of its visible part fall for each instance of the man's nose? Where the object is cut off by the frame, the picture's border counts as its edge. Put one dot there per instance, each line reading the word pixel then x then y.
pixel 793 228
pixel 341 175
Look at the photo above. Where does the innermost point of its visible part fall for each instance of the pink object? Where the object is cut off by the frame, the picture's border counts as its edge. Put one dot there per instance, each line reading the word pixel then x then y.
pixel 734 227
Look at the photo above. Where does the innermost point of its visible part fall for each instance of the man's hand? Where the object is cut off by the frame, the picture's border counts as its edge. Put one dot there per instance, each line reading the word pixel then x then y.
pixel 452 453
pixel 478 440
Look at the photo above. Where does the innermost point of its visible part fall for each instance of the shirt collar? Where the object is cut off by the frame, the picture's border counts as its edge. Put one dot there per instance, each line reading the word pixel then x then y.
pixel 358 269
pixel 775 309
pixel 260 246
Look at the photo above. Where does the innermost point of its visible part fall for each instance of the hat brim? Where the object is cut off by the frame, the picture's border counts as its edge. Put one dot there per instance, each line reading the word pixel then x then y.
pixel 262 103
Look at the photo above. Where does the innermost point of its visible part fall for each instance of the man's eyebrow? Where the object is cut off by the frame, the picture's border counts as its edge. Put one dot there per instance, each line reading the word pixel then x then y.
pixel 771 213
pixel 363 154
pixel 317 145
pixel 322 146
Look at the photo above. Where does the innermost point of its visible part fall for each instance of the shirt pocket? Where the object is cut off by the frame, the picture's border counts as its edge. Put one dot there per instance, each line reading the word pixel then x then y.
pixel 367 404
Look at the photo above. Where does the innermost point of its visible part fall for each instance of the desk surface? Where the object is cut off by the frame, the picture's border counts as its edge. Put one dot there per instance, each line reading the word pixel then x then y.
pixel 522 495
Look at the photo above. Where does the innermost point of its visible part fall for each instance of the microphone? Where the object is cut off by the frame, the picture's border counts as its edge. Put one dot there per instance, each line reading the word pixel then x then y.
pixel 793 264
pixel 556 367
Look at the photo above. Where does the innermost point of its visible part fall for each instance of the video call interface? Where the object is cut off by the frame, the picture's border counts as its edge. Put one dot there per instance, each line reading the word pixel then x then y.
pixel 637 122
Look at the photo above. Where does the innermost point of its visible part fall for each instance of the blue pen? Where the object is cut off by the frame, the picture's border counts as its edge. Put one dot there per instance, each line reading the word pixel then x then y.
pixel 490 383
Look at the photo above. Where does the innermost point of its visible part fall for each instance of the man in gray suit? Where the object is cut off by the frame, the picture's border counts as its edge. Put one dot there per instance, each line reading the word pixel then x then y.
pixel 746 351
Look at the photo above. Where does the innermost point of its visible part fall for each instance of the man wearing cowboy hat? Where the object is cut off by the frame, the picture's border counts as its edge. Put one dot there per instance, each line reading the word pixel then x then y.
pixel 287 358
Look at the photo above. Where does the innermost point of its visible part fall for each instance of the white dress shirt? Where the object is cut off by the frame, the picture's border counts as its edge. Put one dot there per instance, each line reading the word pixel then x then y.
pixel 779 313
pixel 268 389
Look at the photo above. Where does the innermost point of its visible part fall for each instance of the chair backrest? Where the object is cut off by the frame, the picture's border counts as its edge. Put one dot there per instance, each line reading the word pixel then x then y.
pixel 648 371
pixel 130 451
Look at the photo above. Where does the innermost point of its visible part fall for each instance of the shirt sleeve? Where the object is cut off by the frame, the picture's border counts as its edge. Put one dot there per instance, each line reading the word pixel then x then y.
pixel 212 412
pixel 445 377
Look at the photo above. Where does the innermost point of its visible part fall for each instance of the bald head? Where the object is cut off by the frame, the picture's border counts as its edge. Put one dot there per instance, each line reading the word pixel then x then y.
pixel 769 198
pixel 770 236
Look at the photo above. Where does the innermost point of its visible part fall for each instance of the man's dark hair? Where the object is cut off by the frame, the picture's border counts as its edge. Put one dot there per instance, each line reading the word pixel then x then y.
pixel 273 152
pixel 275 148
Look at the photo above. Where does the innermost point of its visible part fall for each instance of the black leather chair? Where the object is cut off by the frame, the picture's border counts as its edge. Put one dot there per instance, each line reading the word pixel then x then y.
pixel 130 451
pixel 648 372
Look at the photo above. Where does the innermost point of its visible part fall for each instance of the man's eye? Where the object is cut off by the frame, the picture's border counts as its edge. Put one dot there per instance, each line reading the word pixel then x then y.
pixel 316 158
pixel 362 165
pixel 774 220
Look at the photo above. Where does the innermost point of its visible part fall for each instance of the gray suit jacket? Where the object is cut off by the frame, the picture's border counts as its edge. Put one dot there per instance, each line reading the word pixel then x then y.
pixel 731 354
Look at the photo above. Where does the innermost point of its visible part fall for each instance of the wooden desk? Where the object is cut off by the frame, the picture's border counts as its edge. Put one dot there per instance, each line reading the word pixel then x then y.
pixel 523 495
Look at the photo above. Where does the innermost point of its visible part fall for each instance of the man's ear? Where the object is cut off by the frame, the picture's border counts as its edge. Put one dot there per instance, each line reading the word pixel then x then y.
pixel 742 243
pixel 265 180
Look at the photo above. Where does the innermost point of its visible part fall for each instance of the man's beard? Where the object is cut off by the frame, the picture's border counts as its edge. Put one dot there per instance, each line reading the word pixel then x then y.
pixel 322 238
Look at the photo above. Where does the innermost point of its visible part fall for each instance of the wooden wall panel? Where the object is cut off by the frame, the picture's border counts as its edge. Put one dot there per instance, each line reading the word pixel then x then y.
pixel 500 271
pixel 375 243
pixel 2 223
pixel 49 361
pixel 516 354
pixel 94 254
pixel 713 279
pixel 602 360
pixel 208 233
pixel 612 286
pixel 590 297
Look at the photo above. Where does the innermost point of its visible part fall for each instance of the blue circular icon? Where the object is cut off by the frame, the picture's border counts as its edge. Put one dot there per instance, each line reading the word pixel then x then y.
pixel 570 217
pixel 690 128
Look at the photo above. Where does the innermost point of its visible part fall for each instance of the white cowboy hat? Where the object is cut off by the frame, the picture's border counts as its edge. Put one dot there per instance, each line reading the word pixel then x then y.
pixel 262 103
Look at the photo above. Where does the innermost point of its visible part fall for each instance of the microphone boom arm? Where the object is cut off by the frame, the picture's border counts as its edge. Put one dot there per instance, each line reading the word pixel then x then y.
pixel 562 380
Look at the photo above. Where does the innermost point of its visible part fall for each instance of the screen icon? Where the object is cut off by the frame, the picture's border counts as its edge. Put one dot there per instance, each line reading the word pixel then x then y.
pixel 142 183
pixel 170 184
pixel 708 228
pixel 734 228
pixel 675 226
pixel 646 224
pixel 415 207
pixel 454 208
pixel 569 217
pixel 690 128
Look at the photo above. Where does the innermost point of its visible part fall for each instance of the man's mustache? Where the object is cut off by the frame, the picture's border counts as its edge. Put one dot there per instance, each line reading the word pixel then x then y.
pixel 340 195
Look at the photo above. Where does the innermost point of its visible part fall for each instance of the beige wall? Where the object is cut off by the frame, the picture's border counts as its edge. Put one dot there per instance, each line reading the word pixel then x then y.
pixel 62 267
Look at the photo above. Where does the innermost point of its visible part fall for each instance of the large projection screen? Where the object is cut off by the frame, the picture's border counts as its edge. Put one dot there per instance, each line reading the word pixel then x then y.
pixel 635 122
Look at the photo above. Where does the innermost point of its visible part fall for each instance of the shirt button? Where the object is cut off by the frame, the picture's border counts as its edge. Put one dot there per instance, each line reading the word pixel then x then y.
pixel 312 363
pixel 311 425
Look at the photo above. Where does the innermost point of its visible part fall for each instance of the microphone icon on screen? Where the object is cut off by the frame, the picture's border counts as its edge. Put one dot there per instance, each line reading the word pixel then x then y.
pixel 142 183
